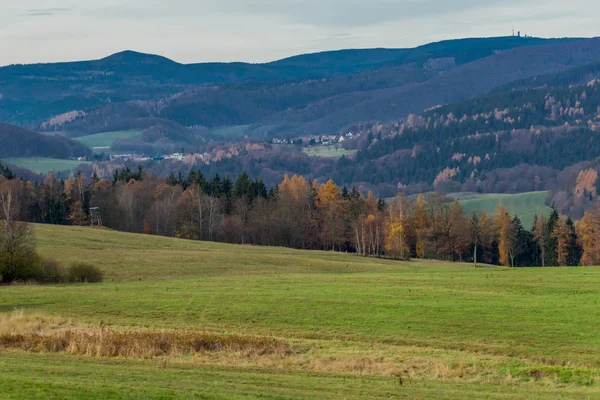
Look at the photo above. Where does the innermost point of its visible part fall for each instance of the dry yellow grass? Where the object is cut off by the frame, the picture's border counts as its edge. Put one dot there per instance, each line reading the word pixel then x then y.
pixel 41 334
pixel 17 322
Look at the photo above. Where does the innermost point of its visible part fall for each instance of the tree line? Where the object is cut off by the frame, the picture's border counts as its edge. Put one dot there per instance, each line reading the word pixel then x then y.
pixel 303 215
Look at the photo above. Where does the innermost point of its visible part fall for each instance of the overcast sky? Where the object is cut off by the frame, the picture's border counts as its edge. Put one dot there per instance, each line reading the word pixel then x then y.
pixel 264 30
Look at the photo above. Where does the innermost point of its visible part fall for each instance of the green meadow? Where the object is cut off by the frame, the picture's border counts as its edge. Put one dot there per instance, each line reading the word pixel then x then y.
pixel 525 205
pixel 327 151
pixel 42 165
pixel 102 142
pixel 355 327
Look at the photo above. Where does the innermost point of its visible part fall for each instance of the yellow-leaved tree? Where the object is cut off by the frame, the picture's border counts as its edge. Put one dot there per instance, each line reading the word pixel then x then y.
pixel 505 231
pixel 562 235
pixel 588 232
pixel 421 223
pixel 331 206
pixel 396 243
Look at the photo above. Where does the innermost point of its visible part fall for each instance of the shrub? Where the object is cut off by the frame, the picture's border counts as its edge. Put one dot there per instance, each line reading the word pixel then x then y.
pixel 18 259
pixel 84 273
pixel 51 271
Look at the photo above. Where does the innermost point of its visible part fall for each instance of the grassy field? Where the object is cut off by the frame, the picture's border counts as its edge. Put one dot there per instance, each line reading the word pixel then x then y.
pixel 103 141
pixel 44 165
pixel 327 151
pixel 525 205
pixel 355 327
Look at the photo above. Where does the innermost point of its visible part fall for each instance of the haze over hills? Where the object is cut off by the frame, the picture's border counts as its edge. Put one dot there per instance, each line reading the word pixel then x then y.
pixel 508 114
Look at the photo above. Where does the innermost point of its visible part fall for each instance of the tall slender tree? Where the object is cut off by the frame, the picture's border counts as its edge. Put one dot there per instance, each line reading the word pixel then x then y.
pixel 540 235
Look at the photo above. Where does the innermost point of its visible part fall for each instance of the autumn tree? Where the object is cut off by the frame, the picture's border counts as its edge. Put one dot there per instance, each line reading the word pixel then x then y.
pixel 421 223
pixel 562 236
pixel 331 206
pixel 487 238
pixel 359 219
pixel 505 231
pixel 475 232
pixel 104 198
pixel 241 212
pixel 215 216
pixel 458 231
pixel 367 223
pixel 396 244
pixel 295 210
pixel 588 233
pixel 76 193
pixel 135 199
pixel 162 213
pixel 190 215
pixel 262 222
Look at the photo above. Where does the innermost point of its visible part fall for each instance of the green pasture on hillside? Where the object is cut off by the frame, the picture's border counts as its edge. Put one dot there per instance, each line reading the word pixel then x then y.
pixel 524 205
pixel 42 165
pixel 355 325
pixel 100 142
pixel 327 151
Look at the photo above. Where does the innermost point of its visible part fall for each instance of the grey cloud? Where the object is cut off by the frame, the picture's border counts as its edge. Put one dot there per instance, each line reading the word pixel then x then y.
pixel 338 13
pixel 332 15
pixel 40 12
pixel 262 30
pixel 319 13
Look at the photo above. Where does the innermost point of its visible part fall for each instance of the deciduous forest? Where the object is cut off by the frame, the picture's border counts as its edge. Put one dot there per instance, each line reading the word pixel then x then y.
pixel 303 215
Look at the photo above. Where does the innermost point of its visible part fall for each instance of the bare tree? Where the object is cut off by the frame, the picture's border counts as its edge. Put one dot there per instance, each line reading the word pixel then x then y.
pixel 214 216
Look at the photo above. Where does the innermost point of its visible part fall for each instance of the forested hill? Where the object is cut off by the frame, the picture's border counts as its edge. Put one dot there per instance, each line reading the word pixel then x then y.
pixel 18 142
pixel 516 141
pixel 503 115
pixel 31 94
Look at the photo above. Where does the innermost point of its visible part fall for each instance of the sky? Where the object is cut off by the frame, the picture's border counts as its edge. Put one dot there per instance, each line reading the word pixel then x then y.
pixel 191 31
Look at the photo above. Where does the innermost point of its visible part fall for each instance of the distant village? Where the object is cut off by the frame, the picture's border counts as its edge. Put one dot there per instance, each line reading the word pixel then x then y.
pixel 306 141
pixel 142 157
pixel 315 140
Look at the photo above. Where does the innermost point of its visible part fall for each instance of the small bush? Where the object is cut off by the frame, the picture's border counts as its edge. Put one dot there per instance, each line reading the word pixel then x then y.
pixel 19 261
pixel 51 271
pixel 84 273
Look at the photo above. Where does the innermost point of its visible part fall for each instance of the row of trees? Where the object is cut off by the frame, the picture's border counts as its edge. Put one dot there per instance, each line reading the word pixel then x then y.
pixel 304 215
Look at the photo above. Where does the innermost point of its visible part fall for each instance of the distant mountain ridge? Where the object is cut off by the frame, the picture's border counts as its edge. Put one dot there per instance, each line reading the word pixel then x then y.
pixel 33 93
pixel 327 105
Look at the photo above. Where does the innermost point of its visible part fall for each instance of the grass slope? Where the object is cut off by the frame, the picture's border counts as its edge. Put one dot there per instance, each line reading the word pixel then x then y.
pixel 103 141
pixel 353 323
pixel 524 205
pixel 42 165
pixel 66 377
